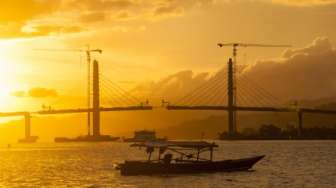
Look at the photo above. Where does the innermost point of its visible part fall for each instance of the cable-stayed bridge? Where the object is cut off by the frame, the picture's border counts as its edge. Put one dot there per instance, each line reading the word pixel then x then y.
pixel 103 90
pixel 222 92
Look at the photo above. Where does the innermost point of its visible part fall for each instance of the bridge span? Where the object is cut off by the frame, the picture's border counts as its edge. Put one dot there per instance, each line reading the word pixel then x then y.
pixel 205 97
pixel 95 110
pixel 300 111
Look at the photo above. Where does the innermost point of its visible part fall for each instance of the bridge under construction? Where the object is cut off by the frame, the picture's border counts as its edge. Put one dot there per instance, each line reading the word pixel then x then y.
pixel 223 92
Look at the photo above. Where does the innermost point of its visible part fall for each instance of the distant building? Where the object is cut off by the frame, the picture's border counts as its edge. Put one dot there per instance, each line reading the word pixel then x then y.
pixel 143 136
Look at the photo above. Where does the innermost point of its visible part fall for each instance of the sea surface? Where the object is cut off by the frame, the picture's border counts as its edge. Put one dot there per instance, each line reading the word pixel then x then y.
pixel 287 164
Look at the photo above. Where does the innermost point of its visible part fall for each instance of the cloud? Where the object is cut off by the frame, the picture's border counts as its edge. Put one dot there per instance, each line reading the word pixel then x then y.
pixel 71 16
pixel 304 73
pixel 100 5
pixel 119 10
pixel 305 2
pixel 18 93
pixel 36 92
pixel 168 11
pixel 21 11
pixel 41 30
pixel 93 17
pixel 18 31
pixel 171 87
pixel 17 19
pixel 83 14
pixel 319 46
pixel 39 92
pixel 172 8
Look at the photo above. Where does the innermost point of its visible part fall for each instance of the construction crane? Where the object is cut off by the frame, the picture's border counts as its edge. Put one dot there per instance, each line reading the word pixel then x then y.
pixel 236 45
pixel 233 86
pixel 88 52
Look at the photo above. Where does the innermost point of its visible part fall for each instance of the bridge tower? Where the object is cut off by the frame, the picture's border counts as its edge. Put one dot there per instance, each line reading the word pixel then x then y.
pixel 300 123
pixel 28 138
pixel 27 119
pixel 231 100
pixel 96 102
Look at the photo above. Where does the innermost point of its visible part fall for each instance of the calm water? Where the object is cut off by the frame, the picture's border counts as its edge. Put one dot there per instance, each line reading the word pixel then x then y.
pixel 287 164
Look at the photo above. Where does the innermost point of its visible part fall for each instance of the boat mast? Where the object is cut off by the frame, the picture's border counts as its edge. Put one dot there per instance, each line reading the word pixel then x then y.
pixel 211 153
pixel 150 151
pixel 198 153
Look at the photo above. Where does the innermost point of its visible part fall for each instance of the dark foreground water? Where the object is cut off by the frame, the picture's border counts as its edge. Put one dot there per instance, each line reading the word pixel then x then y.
pixel 287 164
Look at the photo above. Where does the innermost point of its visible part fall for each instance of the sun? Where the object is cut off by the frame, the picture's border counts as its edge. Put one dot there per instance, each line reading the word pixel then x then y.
pixel 5 86
pixel 7 77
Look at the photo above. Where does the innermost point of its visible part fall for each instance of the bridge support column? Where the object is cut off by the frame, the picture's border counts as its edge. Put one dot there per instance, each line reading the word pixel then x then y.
pixel 96 112
pixel 300 123
pixel 27 125
pixel 231 100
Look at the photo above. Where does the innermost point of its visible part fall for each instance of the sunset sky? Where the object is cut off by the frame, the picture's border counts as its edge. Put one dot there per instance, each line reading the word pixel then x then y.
pixel 145 41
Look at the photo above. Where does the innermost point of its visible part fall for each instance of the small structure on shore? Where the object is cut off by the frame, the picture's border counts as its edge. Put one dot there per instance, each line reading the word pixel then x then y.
pixel 144 136
pixel 29 139
pixel 100 138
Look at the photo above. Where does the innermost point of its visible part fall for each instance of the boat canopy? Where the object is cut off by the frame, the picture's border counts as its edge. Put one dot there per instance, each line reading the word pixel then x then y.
pixel 183 144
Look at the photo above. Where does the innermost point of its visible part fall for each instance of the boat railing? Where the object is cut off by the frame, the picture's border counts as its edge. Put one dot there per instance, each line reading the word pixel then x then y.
pixel 179 147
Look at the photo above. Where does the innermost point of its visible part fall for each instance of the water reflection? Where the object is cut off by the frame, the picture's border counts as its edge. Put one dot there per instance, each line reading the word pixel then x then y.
pixel 287 164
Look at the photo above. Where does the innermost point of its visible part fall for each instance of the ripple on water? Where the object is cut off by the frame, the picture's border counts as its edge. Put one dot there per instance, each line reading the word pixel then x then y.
pixel 287 164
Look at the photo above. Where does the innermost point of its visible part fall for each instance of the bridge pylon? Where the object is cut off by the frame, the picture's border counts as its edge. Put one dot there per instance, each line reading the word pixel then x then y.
pixel 232 130
pixel 300 123
pixel 28 138
pixel 96 102
pixel 27 119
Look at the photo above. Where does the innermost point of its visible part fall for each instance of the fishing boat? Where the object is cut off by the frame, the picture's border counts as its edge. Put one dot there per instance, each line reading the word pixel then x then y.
pixel 190 159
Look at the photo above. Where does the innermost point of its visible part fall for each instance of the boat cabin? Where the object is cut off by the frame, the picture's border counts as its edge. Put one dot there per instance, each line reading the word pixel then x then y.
pixel 188 151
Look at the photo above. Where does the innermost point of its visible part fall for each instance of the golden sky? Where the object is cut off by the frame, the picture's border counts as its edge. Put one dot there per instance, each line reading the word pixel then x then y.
pixel 142 40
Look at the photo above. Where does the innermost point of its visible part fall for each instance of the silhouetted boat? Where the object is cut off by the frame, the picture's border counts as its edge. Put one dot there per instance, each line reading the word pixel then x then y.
pixel 144 136
pixel 186 163
pixel 101 138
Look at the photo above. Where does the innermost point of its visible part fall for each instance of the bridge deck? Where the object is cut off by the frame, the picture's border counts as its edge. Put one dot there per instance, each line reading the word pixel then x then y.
pixel 171 107
pixel 253 109
pixel 102 109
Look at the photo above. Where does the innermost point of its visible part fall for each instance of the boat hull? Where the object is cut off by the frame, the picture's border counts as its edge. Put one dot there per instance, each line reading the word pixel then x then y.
pixel 146 168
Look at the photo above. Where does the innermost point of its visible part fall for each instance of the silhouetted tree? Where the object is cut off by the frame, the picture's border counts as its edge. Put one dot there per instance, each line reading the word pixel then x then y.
pixel 269 130
pixel 249 132
pixel 290 131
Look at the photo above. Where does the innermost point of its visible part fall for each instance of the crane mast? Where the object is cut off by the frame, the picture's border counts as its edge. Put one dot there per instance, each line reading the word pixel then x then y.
pixel 232 81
